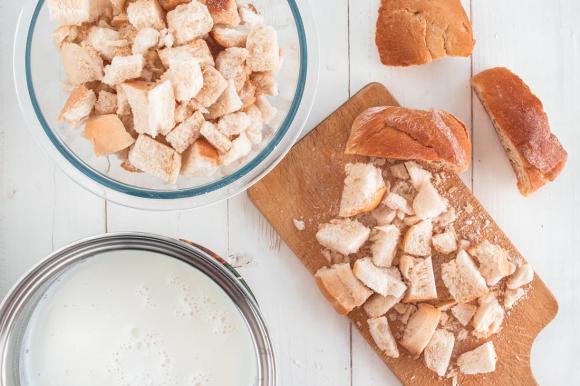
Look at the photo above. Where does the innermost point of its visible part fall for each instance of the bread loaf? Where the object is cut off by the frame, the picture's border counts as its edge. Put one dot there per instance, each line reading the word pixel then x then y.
pixel 398 133
pixel 536 155
pixel 420 31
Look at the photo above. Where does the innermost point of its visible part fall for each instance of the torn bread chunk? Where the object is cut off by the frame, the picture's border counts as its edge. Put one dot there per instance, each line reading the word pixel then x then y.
pixel 417 240
pixel 264 52
pixel 123 68
pixel 234 123
pixel 420 329
pixel 463 313
pixel 65 33
pixel 107 134
pixel 155 158
pixel 379 305
pixel 384 215
pixel 146 39
pixel 382 336
pixel 146 14
pixel 419 275
pixel 185 75
pixel 399 171
pixel 462 278
pixel 488 317
pixel 78 106
pixel 265 83
pixel 363 190
pixel 511 297
pixel 223 11
pixel 189 21
pixel 218 140
pixel 250 14
pixel 153 106
pixel 268 111
pixel 255 131
pixel 201 159
pixel 380 280
pixel 341 287
pixel 478 361
pixel 522 276
pixel 228 37
pixel 344 236
pixel 396 202
pixel 107 42
pixel 418 175
pixel 106 103
pixel 81 64
pixel 241 147
pixel 214 84
pixel 76 12
pixel 186 133
pixel 385 241
pixel 438 351
pixel 231 63
pixel 446 218
pixel 428 203
pixel 445 243
pixel 494 262
pixel 229 102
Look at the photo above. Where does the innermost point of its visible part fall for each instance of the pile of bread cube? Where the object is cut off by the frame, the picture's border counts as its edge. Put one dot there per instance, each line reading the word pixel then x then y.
pixel 175 87
pixel 395 226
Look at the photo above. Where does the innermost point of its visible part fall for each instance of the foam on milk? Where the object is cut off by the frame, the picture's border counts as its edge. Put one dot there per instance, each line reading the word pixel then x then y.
pixel 137 318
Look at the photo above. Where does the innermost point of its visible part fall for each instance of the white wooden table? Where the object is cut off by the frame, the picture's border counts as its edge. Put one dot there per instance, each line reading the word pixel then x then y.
pixel 41 209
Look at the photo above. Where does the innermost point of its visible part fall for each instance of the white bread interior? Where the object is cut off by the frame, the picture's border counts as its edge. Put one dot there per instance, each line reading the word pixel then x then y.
pixel 438 352
pixel 380 280
pixel 363 190
pixel 420 329
pixel 381 334
pixel 494 262
pixel 462 278
pixel 343 236
pixel 478 361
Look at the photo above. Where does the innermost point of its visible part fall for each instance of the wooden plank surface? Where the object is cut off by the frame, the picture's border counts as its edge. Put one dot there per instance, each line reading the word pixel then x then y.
pixel 317 165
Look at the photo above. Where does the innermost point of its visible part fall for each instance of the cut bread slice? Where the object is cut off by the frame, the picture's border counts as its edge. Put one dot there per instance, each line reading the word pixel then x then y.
pixel 107 134
pixel 146 14
pixel 264 51
pixel 189 21
pixel 155 158
pixel 380 280
pixel 420 329
pixel 488 317
pixel 363 190
pixel 462 278
pixel 494 262
pixel 381 334
pixel 378 305
pixel 523 275
pixel 123 68
pixel 464 313
pixel 214 84
pixel 428 203
pixel 200 159
pixel 438 351
pixel 186 133
pixel 197 48
pixel 78 106
pixel 81 64
pixel 478 361
pixel 445 243
pixel 185 75
pixel 417 240
pixel 341 287
pixel 384 247
pixel 343 236
pixel 419 275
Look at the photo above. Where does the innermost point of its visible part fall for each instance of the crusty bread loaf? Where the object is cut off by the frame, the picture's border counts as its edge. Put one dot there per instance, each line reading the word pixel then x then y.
pixel 398 133
pixel 523 128
pixel 419 31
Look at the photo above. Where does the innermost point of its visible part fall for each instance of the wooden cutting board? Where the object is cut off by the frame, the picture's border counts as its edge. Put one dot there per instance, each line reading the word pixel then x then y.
pixel 307 185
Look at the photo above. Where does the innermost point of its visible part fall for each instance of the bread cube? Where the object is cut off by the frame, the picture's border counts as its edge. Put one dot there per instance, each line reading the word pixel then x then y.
pixel 223 11
pixel 218 140
pixel 428 204
pixel 106 103
pixel 250 15
pixel 363 189
pixel 78 106
pixel 185 75
pixel 107 134
pixel 523 275
pixel 186 133
pixel 241 147
pixel 420 278
pixel 189 21
pixel 107 42
pixel 463 313
pixel 155 158
pixel 264 51
pixel 488 317
pixel 231 63
pixel 153 106
pixel 201 159
pixel 265 83
pixel 445 243
pixel 378 305
pixel 228 37
pixel 417 240
pixel 123 68
pixel 76 12
pixel 229 102
pixel 255 130
pixel 81 64
pixel 384 247
pixel 146 14
pixel 214 84
pixel 146 39
pixel 396 202
pixel 234 123
pixel 418 175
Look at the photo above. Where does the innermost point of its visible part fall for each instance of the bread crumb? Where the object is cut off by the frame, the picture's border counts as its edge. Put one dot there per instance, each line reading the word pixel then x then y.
pixel 299 224
pixel 462 335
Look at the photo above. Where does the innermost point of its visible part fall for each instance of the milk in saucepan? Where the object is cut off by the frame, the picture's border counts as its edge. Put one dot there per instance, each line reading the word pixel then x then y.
pixel 137 318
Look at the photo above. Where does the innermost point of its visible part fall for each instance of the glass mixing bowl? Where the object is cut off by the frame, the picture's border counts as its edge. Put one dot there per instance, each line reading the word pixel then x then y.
pixel 39 78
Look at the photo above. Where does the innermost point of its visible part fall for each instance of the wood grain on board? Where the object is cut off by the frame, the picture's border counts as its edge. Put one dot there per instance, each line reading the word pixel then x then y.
pixel 307 185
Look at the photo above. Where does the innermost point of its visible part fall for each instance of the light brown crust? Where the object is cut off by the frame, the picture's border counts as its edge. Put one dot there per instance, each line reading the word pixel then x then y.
pixel 331 299
pixel 412 32
pixel 522 125
pixel 223 11
pixel 169 5
pixel 398 133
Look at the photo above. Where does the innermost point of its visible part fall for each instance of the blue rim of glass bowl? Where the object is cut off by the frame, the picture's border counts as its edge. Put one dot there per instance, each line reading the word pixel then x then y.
pixel 182 193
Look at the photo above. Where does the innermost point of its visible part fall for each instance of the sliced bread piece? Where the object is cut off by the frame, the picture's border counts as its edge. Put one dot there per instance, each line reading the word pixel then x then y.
pixel 146 14
pixel 189 21
pixel 264 51
pixel 186 133
pixel 123 68
pixel 107 134
pixel 81 64
pixel 343 236
pixel 428 203
pixel 363 190
pixel 214 84
pixel 185 75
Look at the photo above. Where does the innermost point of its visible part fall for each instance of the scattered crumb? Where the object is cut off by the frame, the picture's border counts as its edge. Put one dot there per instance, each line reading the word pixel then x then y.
pixel 468 208
pixel 299 224
pixel 452 190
